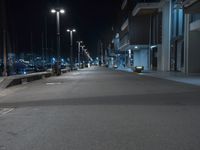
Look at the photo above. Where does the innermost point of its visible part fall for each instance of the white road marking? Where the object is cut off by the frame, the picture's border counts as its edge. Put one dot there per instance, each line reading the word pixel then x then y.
pixel 58 83
pixel 5 111
pixel 76 73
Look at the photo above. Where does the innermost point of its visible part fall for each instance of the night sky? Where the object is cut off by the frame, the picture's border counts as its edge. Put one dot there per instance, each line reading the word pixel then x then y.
pixel 93 19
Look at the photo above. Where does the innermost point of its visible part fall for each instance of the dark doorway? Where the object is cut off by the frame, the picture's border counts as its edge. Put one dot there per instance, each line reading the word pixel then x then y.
pixel 173 57
pixel 154 58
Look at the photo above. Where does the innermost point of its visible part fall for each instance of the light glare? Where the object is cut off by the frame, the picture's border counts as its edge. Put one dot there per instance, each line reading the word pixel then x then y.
pixel 53 11
pixel 154 46
pixel 62 11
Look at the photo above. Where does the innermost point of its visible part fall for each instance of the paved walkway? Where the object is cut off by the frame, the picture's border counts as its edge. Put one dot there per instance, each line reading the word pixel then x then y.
pixel 1 79
pixel 193 79
pixel 1 83
pixel 175 76
pixel 100 109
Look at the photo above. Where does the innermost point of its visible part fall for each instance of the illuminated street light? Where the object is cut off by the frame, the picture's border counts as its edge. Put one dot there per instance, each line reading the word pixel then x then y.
pixel 58 12
pixel 53 11
pixel 62 11
pixel 73 30
pixel 71 46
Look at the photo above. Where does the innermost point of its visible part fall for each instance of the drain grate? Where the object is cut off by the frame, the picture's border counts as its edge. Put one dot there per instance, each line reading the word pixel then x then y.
pixel 4 111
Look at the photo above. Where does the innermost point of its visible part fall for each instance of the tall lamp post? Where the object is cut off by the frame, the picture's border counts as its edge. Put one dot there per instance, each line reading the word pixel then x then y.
pixel 82 53
pixel 88 57
pixel 71 46
pixel 58 11
pixel 79 51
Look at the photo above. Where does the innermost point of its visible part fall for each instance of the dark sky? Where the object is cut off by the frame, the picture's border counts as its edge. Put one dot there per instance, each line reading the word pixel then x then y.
pixel 92 19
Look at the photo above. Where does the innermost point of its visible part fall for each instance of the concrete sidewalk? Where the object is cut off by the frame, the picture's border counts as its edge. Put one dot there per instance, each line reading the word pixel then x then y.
pixel 1 79
pixel 193 79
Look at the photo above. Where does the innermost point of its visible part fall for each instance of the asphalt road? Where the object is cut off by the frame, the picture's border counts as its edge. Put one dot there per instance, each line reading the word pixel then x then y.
pixel 100 109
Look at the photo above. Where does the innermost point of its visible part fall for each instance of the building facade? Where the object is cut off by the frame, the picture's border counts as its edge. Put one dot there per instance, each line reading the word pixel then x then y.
pixel 159 32
pixel 177 37
pixel 191 36
pixel 162 35
pixel 134 33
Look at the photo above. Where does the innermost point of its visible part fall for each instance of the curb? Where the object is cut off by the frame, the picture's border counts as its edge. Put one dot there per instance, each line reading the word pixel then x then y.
pixel 1 80
pixel 20 79
pixel 1 83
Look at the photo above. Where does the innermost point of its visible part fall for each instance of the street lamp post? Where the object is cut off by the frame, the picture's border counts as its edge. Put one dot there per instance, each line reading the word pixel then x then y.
pixel 79 51
pixel 88 57
pixel 82 51
pixel 84 56
pixel 58 11
pixel 71 46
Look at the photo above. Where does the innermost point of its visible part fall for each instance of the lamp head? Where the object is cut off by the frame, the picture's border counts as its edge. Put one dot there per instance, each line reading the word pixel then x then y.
pixel 62 11
pixel 53 11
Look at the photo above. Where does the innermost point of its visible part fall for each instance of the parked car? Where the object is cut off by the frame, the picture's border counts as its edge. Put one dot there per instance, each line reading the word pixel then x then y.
pixel 23 68
pixel 40 68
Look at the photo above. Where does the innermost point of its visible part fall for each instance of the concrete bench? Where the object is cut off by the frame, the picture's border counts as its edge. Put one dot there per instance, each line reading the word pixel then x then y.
pixel 20 79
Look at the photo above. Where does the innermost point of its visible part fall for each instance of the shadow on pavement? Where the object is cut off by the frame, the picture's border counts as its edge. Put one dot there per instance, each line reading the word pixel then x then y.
pixel 178 99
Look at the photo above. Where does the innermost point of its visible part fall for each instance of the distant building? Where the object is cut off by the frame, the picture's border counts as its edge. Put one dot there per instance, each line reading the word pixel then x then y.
pixel 161 35
pixel 134 36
